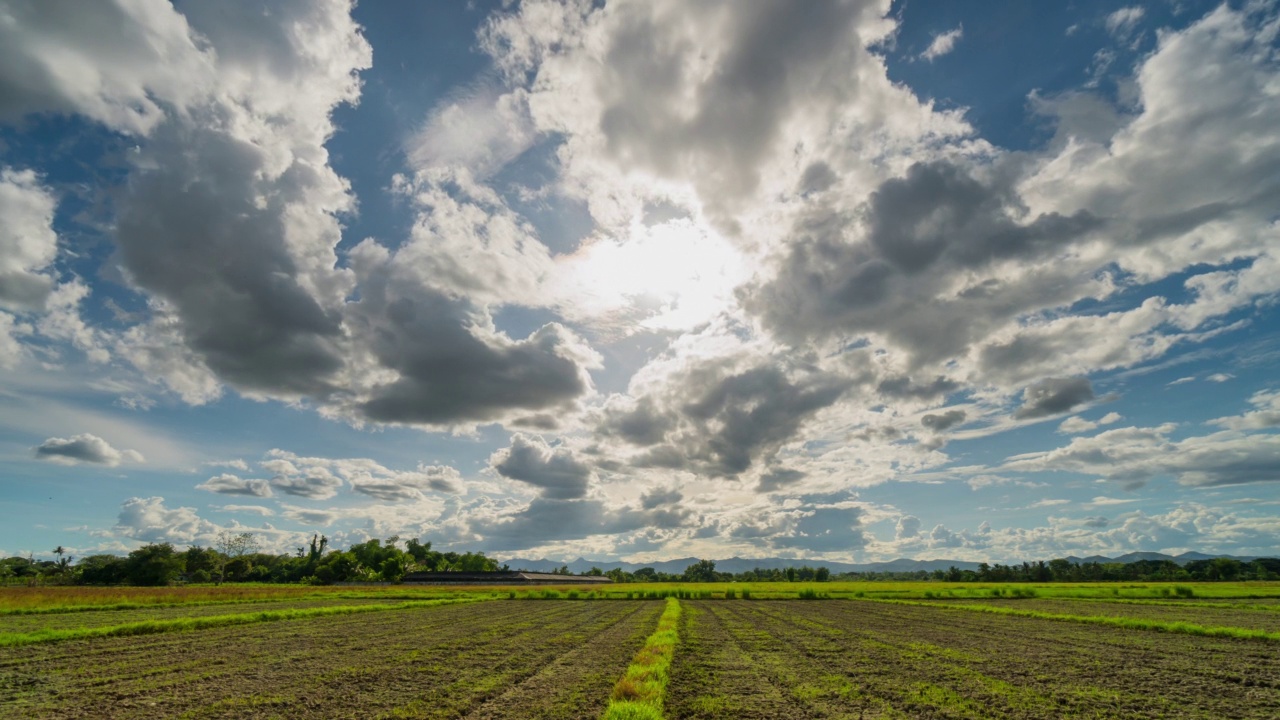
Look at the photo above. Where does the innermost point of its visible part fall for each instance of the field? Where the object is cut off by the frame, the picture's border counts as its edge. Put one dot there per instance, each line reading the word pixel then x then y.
pixel 872 650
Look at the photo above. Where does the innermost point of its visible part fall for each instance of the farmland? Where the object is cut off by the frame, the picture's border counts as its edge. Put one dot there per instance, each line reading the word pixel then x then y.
pixel 866 650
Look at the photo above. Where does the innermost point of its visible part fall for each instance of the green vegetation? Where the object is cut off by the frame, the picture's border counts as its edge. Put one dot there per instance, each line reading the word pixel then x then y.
pixel 152 627
pixel 639 694
pixel 1184 628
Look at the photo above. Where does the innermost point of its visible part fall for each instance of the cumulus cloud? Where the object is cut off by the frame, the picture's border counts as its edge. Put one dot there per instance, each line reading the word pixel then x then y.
pixel 150 520
pixel 548 519
pixel 28 243
pixel 942 44
pixel 1265 413
pixel 715 408
pixel 902 266
pixel 227 484
pixel 1076 424
pixel 908 527
pixel 1053 396
pixel 320 478
pixel 85 448
pixel 556 472
pixel 1133 456
pixel 942 421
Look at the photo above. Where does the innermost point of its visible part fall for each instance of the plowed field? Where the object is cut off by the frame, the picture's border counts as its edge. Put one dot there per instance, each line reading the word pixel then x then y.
pixel 549 659
pixel 848 659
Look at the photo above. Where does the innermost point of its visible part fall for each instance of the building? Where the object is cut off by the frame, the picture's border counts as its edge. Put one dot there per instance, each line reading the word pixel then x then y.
pixel 502 577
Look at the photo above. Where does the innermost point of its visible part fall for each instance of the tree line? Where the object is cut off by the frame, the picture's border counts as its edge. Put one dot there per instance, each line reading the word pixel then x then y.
pixel 236 557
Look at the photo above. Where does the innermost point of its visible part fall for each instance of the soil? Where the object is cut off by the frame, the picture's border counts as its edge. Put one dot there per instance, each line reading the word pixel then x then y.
pixel 1205 614
pixel 865 660
pixel 437 662
pixel 103 618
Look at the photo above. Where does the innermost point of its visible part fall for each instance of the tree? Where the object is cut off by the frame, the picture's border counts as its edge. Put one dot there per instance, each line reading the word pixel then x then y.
pixel 155 564
pixel 701 571
pixel 63 563
pixel 233 546
pixel 102 570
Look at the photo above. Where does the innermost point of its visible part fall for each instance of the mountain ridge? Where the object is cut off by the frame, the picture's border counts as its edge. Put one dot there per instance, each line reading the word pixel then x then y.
pixel 739 565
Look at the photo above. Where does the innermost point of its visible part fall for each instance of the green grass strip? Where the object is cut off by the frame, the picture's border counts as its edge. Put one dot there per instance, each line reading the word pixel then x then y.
pixel 151 627
pixel 640 693
pixel 1184 628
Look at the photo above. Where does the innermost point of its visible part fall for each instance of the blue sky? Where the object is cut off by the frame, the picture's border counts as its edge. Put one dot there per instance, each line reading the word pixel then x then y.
pixel 646 280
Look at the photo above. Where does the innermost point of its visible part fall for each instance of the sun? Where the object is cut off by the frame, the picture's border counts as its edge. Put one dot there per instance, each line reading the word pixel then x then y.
pixel 674 275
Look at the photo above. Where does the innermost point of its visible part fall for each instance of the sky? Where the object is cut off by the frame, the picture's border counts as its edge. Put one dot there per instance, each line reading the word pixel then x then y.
pixel 841 280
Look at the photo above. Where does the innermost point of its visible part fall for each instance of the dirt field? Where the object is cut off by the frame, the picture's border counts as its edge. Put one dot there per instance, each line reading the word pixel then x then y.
pixel 1203 614
pixel 848 659
pixel 552 659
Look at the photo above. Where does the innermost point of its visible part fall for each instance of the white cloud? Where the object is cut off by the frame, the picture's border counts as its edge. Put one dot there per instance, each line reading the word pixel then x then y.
pixel 942 44
pixel 1122 22
pixel 28 244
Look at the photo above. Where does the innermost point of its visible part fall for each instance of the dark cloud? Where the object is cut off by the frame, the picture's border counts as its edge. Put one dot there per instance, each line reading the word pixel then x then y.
pixel 735 419
pixel 826 529
pixel 227 484
pixel 83 448
pixel 1053 396
pixel 644 424
pixel 905 387
pixel 880 268
pixel 313 484
pixel 1096 522
pixel 555 471
pixel 449 371
pixel 817 177
pixel 200 230
pixel 550 520
pixel 778 479
pixel 771 62
pixel 940 422
pixel 658 497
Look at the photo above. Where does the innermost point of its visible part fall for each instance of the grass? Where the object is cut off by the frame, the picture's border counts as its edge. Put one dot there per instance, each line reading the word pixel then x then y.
pixel 1184 628
pixel 151 627
pixel 639 695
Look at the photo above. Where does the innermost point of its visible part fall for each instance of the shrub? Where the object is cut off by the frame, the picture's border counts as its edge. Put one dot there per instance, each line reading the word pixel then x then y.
pixel 729 594
pixel 1183 591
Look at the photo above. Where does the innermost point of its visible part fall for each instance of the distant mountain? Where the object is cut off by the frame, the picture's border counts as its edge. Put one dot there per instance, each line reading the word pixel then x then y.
pixel 739 565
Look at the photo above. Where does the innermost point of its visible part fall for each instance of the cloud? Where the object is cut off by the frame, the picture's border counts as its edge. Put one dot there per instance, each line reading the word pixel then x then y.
pixel 85 448
pixel 28 244
pixel 227 484
pixel 942 421
pixel 715 97
pixel 555 520
pixel 555 471
pixel 321 478
pixel 444 363
pixel 56 58
pixel 897 267
pixel 1075 424
pixel 1220 377
pixel 908 527
pixel 150 520
pixel 255 509
pixel 942 44
pixel 1266 413
pixel 1122 22
pixel 719 415
pixel 1053 396
pixel 1133 456
pixel 310 516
